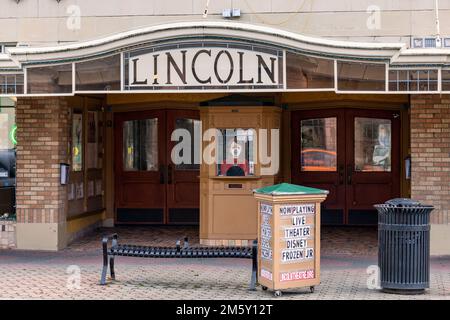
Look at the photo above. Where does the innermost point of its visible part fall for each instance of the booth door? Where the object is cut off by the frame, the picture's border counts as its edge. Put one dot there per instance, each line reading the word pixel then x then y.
pixel 149 187
pixel 352 153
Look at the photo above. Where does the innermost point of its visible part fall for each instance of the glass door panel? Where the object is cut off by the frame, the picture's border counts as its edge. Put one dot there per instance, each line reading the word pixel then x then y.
pixel 372 144
pixel 191 132
pixel 140 145
pixel 318 144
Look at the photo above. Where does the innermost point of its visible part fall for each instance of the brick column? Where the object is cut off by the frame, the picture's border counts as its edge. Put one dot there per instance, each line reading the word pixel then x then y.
pixel 430 159
pixel 42 134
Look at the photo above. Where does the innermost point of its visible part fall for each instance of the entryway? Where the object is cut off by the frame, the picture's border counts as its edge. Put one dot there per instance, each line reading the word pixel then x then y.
pixel 353 153
pixel 149 187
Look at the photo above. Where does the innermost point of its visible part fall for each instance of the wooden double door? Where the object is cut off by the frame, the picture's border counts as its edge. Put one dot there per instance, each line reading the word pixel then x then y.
pixel 354 154
pixel 152 185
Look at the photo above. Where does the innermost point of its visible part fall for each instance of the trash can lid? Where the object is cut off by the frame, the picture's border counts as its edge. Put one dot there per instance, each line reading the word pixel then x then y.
pixel 287 188
pixel 403 202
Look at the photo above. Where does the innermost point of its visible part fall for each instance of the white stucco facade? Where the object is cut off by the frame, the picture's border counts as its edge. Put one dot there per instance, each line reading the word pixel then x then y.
pixel 39 22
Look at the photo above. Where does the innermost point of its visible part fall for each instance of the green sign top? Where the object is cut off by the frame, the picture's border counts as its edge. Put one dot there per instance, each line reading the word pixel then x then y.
pixel 287 189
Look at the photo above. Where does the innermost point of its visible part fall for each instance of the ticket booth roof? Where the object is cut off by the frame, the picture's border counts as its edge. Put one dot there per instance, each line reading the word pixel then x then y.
pixel 289 189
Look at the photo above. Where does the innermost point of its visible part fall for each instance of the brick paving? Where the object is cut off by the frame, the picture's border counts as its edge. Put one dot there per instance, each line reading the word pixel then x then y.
pixel 346 254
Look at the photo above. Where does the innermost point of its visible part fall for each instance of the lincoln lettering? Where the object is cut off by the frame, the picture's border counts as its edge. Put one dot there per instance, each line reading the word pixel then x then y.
pixel 193 67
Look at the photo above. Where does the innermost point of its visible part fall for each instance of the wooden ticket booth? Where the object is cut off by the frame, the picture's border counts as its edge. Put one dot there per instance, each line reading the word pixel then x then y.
pixel 232 168
pixel 289 236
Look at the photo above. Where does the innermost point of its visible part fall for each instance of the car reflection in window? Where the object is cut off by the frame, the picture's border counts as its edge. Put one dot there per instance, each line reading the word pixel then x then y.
pixel 314 159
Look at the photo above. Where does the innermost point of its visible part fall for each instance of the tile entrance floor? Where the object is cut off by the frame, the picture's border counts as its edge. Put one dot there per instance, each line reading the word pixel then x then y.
pixel 74 272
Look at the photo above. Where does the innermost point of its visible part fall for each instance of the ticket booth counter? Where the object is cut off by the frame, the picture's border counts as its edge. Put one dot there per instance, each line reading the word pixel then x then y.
pixel 227 206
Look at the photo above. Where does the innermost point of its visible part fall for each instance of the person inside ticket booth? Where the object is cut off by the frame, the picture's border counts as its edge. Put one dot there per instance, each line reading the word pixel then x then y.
pixel 236 157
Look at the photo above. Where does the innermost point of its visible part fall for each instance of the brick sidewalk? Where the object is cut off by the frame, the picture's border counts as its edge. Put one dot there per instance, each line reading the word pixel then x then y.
pixel 346 254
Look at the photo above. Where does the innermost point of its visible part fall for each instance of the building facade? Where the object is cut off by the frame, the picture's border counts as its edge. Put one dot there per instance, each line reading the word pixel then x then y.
pixel 172 112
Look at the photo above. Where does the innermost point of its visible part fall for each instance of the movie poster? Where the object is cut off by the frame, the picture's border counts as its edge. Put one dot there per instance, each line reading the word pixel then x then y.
pixel 77 142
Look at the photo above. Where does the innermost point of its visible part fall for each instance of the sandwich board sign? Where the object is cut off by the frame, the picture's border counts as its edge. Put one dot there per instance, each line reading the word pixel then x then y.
pixel 289 236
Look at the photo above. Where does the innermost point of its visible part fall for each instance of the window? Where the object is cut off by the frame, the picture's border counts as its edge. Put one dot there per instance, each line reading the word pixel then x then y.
pixel 235 152
pixel 445 80
pixel 372 144
pixel 11 83
pixel 50 79
pixel 140 145
pixel 304 72
pixel 318 144
pixel 192 126
pixel 413 80
pixel 358 76
pixel 98 75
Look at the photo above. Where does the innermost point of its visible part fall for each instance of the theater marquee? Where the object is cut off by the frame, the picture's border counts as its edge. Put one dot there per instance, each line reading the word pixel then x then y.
pixel 207 66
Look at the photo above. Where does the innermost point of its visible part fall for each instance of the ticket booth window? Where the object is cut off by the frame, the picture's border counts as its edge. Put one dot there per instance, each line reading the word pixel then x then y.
pixel 236 156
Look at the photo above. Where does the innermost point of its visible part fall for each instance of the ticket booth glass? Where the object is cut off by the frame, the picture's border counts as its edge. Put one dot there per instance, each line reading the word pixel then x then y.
pixel 236 155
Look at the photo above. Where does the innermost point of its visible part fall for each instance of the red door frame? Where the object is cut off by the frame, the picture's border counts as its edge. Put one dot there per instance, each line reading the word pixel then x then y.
pixel 139 181
pixel 332 181
pixel 372 184
pixel 163 181
pixel 345 182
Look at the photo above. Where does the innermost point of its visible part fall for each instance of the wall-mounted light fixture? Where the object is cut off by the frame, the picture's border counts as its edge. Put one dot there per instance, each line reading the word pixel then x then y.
pixel 64 173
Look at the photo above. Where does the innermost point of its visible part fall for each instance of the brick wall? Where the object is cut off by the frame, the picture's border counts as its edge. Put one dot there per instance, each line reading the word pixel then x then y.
pixel 430 153
pixel 42 145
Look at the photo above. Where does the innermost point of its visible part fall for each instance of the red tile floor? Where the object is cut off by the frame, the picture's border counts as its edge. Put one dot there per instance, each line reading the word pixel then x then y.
pixel 74 272
pixel 359 241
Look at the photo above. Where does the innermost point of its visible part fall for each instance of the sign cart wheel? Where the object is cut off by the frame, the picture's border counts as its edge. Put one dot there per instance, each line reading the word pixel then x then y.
pixel 311 289
pixel 264 288
pixel 277 293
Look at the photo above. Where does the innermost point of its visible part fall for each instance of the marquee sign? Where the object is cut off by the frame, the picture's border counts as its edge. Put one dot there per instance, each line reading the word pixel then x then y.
pixel 209 66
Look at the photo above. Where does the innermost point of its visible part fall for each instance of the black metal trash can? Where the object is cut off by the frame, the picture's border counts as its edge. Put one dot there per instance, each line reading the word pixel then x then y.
pixel 404 246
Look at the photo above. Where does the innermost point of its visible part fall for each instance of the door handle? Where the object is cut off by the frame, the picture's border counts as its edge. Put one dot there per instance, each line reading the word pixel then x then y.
pixel 162 174
pixel 169 174
pixel 341 174
pixel 349 174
